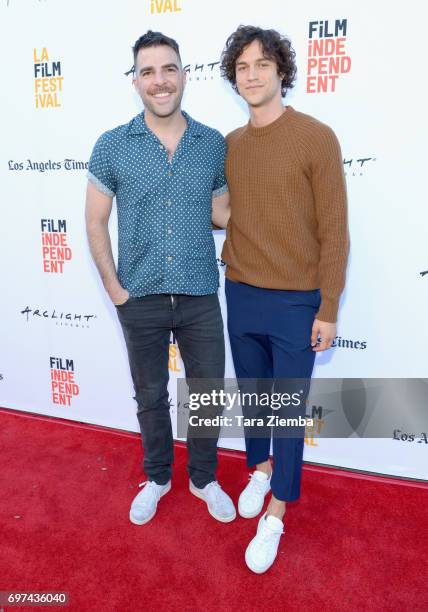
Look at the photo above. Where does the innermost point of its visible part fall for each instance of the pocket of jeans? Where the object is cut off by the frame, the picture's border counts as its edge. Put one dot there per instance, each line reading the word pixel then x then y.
pixel 121 305
pixel 128 301
pixel 298 298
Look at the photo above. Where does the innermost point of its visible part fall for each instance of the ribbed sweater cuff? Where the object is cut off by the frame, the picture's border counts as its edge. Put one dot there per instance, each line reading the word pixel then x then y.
pixel 328 310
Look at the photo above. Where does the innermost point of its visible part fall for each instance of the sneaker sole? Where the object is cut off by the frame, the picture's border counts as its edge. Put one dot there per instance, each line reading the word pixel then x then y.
pixel 218 518
pixel 248 515
pixel 135 522
pixel 257 570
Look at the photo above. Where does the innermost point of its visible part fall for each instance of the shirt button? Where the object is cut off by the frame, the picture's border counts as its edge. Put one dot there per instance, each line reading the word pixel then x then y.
pixel 168 202
pixel 169 258
pixel 170 173
pixel 169 231
pixel 160 146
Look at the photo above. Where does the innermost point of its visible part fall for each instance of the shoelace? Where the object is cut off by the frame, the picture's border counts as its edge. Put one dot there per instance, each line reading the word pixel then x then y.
pixel 268 532
pixel 258 485
pixel 153 490
pixel 215 487
pixel 217 490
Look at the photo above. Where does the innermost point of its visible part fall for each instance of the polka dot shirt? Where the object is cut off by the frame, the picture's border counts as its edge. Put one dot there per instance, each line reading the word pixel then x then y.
pixel 165 235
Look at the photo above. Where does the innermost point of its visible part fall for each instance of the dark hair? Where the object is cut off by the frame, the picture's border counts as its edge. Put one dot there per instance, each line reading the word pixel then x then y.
pixel 275 47
pixel 154 39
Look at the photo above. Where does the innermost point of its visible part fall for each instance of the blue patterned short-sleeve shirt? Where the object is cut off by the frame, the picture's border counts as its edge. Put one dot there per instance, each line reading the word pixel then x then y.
pixel 164 207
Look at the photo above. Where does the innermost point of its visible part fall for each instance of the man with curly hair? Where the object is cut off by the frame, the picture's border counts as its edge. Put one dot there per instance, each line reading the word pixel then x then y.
pixel 286 252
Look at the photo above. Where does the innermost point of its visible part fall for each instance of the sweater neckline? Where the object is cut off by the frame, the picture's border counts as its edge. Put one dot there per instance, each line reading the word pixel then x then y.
pixel 270 127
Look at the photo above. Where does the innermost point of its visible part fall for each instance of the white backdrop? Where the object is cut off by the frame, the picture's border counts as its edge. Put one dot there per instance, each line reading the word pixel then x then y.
pixel 48 129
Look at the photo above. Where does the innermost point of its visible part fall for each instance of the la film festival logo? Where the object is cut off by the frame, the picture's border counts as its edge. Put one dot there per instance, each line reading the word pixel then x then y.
pixel 158 7
pixel 327 58
pixel 48 80
pixel 313 431
pixel 55 249
pixel 174 356
pixel 63 383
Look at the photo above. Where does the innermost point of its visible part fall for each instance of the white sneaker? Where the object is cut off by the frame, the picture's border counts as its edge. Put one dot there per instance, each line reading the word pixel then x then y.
pixel 261 551
pixel 144 506
pixel 220 506
pixel 252 497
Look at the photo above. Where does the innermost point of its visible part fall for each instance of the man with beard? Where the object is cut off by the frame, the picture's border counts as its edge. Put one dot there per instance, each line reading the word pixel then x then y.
pixel 166 171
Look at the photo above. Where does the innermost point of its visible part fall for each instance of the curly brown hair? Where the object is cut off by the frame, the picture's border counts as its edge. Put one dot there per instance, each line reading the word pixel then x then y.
pixel 275 47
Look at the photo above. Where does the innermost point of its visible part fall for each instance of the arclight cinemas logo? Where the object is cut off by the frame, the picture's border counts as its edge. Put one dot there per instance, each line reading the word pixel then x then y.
pixel 63 383
pixel 60 317
pixel 358 165
pixel 202 72
pixel 55 250
pixel 327 58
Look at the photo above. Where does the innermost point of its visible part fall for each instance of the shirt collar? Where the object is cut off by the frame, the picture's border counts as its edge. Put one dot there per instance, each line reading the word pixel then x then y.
pixel 138 125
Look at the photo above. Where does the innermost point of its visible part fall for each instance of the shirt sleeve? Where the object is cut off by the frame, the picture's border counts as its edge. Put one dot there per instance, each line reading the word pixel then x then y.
pixel 329 188
pixel 220 184
pixel 100 169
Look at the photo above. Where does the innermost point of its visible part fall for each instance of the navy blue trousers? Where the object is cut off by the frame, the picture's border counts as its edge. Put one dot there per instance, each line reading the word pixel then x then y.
pixel 270 337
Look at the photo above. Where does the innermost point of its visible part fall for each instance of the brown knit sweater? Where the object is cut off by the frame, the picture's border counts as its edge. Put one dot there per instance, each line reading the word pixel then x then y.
pixel 288 228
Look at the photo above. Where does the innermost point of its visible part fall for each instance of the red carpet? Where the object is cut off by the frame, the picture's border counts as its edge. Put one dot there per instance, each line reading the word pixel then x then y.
pixel 350 543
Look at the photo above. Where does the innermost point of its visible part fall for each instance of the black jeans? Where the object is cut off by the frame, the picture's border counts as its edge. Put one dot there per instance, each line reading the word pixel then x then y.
pixel 197 324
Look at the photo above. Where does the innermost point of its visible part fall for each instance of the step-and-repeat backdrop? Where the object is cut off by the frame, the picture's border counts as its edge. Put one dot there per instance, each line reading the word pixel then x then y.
pixel 360 70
